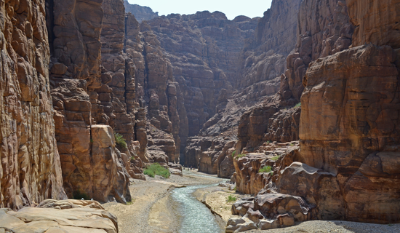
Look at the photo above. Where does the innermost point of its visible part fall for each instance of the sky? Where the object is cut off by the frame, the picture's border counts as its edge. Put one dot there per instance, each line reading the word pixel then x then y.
pixel 231 8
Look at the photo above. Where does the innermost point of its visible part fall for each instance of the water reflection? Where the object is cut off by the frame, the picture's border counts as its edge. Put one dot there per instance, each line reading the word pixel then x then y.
pixel 197 218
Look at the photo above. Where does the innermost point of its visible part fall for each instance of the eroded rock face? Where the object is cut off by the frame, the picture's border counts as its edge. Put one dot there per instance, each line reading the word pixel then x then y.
pixel 267 123
pixel 110 178
pixel 82 96
pixel 261 62
pixel 30 163
pixel 345 168
pixel 59 216
pixel 376 22
pixel 156 92
pixel 204 51
pixel 211 155
pixel 140 12
pixel 276 156
pixel 366 84
pixel 324 28
pixel 76 56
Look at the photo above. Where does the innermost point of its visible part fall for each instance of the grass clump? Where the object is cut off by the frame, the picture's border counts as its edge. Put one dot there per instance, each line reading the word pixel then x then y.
pixel 231 198
pixel 157 169
pixel 78 195
pixel 266 169
pixel 240 156
pixel 275 158
pixel 298 105
pixel 233 154
pixel 120 140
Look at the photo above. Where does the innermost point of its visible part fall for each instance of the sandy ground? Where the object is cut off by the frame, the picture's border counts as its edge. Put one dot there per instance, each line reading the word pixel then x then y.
pixel 152 208
pixel 335 226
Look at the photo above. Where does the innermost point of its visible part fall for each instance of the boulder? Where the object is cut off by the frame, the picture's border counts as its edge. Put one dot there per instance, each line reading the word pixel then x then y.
pixel 59 216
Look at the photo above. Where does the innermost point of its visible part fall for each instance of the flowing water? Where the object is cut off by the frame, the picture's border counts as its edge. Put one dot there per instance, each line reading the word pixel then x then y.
pixel 197 218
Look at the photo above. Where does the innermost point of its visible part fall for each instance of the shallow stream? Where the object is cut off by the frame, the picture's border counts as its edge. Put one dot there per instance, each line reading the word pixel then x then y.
pixel 197 218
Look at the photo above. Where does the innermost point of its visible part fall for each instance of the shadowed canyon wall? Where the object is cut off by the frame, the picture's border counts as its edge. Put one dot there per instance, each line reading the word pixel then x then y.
pixel 260 62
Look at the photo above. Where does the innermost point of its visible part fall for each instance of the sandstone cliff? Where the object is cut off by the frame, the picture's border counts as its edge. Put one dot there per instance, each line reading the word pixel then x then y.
pixel 159 127
pixel 323 28
pixel 204 53
pixel 171 69
pixel 30 168
pixel 261 61
pixel 80 92
pixel 347 162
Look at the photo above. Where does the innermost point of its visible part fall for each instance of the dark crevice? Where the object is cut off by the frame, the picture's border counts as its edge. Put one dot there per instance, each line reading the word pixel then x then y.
pixel 50 24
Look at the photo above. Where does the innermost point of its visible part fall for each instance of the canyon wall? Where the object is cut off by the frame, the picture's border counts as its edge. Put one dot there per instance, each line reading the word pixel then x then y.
pixel 140 12
pixel 260 62
pixel 323 29
pixel 347 165
pixel 30 168
pixel 204 53
pixel 82 99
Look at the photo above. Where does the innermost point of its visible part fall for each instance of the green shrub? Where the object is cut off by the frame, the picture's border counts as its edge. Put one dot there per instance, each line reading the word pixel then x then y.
pixel 149 173
pixel 275 158
pixel 266 169
pixel 298 105
pixel 240 156
pixel 157 169
pixel 78 195
pixel 233 154
pixel 120 140
pixel 231 198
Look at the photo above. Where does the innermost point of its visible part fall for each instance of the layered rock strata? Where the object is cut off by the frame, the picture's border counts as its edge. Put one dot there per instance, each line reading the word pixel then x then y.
pixel 346 168
pixel 30 168
pixel 156 92
pixel 211 155
pixel 324 29
pixel 82 98
pixel 357 131
pixel 204 51
pixel 261 62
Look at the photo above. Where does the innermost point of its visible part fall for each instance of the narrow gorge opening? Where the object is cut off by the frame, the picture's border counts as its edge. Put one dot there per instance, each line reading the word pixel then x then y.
pixel 125 118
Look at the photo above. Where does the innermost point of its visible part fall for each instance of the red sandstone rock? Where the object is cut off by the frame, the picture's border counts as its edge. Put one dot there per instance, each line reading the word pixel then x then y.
pixel 30 168
pixel 324 28
pixel 376 21
pixel 82 97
